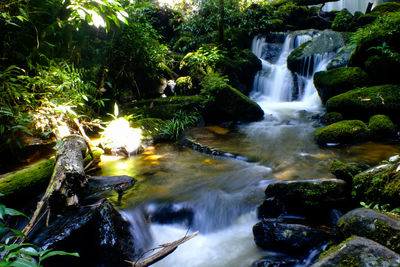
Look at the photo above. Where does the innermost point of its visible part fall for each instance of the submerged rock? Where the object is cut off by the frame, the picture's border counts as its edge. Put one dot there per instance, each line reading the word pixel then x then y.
pixel 331 117
pixel 358 251
pixel 381 227
pixel 339 80
pixel 278 235
pixel 276 261
pixel 342 133
pixel 169 214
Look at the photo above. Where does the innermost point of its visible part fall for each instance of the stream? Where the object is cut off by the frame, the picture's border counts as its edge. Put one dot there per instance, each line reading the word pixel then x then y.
pixel 182 190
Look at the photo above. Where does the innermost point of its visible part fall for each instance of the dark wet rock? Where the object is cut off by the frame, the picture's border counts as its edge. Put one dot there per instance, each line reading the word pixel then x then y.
pixel 339 80
pixel 342 58
pixel 381 227
pixel 379 185
pixel 283 236
pixel 169 214
pixel 276 261
pixel 342 133
pixel 346 171
pixel 358 251
pixel 328 42
pixel 98 233
pixel 102 186
pixel 331 117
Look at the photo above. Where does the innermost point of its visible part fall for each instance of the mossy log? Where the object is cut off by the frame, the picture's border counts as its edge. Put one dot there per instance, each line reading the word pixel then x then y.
pixel 30 181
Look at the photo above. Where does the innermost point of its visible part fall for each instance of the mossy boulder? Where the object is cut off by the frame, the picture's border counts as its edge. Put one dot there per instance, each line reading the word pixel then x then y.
pixel 381 127
pixel 346 171
pixel 356 252
pixel 384 68
pixel 164 108
pixel 379 185
pixel 381 227
pixel 331 117
pixel 342 133
pixel 240 69
pixel 184 86
pixel 342 57
pixel 229 104
pixel 363 103
pixel 151 127
pixel 386 7
pixel 339 80
pixel 342 21
pixel 328 42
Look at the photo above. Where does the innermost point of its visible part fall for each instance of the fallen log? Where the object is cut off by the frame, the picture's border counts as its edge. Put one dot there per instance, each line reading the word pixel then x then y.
pixel 67 181
pixel 20 185
pixel 167 249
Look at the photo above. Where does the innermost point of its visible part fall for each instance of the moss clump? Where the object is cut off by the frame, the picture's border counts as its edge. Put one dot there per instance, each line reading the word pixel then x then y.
pixel 184 86
pixel 384 68
pixel 339 80
pixel 342 132
pixel 381 127
pixel 365 102
pixel 346 171
pixel 331 117
pixel 386 7
pixel 295 56
pixel 151 126
pixel 342 21
pixel 164 108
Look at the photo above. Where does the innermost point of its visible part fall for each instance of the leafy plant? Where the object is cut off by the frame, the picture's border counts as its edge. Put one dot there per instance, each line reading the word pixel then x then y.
pixel 175 127
pixel 24 254
pixel 204 59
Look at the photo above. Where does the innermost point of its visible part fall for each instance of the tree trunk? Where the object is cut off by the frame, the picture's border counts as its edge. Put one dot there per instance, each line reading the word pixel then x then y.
pixel 67 181
pixel 221 21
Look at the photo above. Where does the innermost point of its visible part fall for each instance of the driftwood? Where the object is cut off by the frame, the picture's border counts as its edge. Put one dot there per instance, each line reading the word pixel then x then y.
pixel 167 249
pixel 68 179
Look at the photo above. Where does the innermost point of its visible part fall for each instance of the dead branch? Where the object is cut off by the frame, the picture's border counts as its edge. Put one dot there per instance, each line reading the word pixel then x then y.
pixel 167 249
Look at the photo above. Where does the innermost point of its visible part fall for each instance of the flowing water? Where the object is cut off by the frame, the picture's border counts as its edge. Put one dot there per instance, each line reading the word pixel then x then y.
pixel 182 190
pixel 351 5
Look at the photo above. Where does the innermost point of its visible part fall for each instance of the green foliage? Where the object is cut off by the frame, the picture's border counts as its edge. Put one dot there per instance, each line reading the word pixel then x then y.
pixel 184 86
pixel 212 84
pixel 342 21
pixel 174 128
pixel 204 59
pixel 24 254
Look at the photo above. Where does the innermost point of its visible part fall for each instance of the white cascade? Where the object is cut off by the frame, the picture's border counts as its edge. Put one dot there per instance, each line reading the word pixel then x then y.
pixel 276 88
pixel 351 5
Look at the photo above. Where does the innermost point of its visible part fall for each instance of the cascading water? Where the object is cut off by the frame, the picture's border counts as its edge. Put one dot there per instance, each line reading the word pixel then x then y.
pixel 351 5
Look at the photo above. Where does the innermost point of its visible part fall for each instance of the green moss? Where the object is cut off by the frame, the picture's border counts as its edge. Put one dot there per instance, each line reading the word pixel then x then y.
pixel 184 86
pixel 339 80
pixel 164 108
pixel 342 21
pixel 346 171
pixel 151 126
pixel 342 132
pixel 364 102
pixel 295 55
pixel 386 7
pixel 334 249
pixel 331 117
pixel 384 68
pixel 381 127
pixel 26 180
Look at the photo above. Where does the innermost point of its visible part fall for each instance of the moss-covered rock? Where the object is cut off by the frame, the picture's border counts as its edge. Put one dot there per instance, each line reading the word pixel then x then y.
pixel 184 86
pixel 356 252
pixel 384 68
pixel 379 185
pixel 346 171
pixel 342 21
pixel 381 127
pixel 386 7
pixel 342 57
pixel 331 117
pixel 339 80
pixel 151 127
pixel 363 103
pixel 328 42
pixel 164 108
pixel 381 227
pixel 240 69
pixel 342 133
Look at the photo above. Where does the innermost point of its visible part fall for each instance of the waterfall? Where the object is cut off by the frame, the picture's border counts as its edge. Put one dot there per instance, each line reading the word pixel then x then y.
pixel 276 86
pixel 351 5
